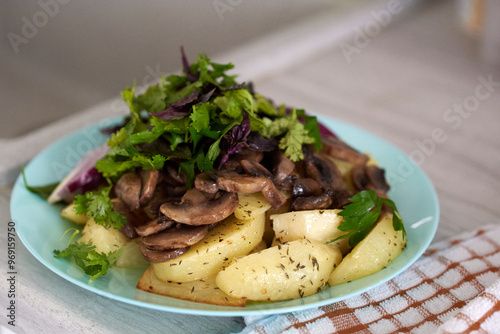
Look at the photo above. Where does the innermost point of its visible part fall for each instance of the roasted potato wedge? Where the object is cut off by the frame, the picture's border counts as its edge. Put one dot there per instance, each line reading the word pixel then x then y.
pixel 292 270
pixel 269 231
pixel 230 238
pixel 104 239
pixel 69 212
pixel 382 245
pixel 251 205
pixel 131 256
pixel 202 291
pixel 319 225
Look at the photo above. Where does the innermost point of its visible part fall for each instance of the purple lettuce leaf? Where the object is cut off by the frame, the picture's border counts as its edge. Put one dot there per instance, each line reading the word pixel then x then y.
pixel 236 139
pixel 187 68
pixel 178 109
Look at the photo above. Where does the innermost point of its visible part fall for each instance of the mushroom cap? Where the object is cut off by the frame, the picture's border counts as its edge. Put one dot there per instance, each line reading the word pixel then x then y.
pixel 179 236
pixel 324 171
pixel 338 149
pixel 322 201
pixel 128 189
pixel 149 182
pixel 154 226
pixel 199 208
pixel 154 256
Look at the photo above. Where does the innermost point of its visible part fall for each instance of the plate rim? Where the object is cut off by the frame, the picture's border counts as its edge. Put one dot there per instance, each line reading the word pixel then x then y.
pixel 228 311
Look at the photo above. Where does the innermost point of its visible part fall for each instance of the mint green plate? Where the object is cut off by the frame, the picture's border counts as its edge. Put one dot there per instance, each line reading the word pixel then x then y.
pixel 40 227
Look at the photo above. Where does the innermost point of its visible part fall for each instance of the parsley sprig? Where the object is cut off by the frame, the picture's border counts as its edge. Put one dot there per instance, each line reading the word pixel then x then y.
pixel 98 205
pixel 363 213
pixel 92 262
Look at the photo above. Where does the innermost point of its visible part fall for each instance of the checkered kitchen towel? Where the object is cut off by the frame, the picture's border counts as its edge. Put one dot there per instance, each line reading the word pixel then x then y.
pixel 453 288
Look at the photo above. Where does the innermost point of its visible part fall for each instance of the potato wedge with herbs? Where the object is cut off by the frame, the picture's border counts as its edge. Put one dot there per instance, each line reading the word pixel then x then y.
pixel 260 246
pixel 319 225
pixel 382 245
pixel 103 238
pixel 230 238
pixel 251 205
pixel 202 291
pixel 69 212
pixel 292 270
pixel 269 231
pixel 131 256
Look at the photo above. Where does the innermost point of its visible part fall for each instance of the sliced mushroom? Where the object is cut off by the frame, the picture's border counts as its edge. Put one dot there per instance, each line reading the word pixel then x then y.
pixel 232 165
pixel 248 154
pixel 306 187
pixel 340 199
pixel 128 189
pixel 197 208
pixel 179 236
pixel 153 256
pixel 324 171
pixel 255 169
pixel 233 182
pixel 338 149
pixel 376 178
pixel 322 201
pixel 359 178
pixel 207 182
pixel 160 196
pixel 283 167
pixel 238 183
pixel 154 226
pixel 273 196
pixel 149 180
pixel 133 220
pixel 174 177
pixel 369 178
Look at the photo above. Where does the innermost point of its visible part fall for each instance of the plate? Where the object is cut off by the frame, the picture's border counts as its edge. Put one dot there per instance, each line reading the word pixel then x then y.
pixel 40 227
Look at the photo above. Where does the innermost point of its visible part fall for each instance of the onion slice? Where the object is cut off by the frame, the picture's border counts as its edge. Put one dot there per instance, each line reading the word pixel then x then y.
pixel 82 178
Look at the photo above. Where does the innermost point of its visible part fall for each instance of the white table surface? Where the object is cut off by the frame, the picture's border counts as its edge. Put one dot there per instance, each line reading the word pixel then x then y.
pixel 400 87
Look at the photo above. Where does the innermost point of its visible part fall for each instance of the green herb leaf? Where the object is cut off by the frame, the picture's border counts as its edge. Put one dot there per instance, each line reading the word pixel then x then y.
pixel 93 263
pixel 114 168
pixel 312 129
pixel 397 221
pixel 295 137
pixel 128 96
pixel 363 213
pixel 98 205
pixel 153 100
pixel 200 117
pixel 188 167
pixel 232 104
pixel 265 106
pixel 42 191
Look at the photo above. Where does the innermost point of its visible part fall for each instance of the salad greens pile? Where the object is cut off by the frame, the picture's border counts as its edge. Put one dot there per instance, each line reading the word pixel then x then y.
pixel 200 119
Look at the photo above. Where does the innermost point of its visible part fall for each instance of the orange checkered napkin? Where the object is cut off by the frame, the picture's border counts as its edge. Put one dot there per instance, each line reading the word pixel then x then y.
pixel 453 288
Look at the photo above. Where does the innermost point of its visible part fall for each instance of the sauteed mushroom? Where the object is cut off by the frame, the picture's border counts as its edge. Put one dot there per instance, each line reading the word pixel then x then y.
pixel 128 189
pixel 179 236
pixel 200 208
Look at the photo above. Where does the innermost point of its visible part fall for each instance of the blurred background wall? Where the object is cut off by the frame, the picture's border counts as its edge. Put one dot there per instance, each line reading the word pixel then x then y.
pixel 58 57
